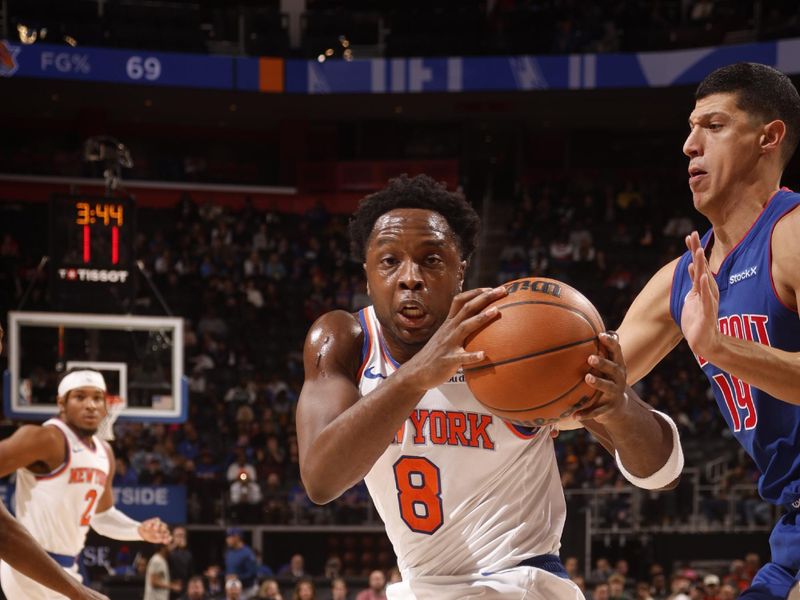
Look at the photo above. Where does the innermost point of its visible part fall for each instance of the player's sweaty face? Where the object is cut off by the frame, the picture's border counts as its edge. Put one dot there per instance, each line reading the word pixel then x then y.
pixel 85 407
pixel 722 146
pixel 414 269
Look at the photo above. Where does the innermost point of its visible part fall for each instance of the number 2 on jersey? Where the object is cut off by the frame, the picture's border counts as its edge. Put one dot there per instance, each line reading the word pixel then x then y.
pixel 419 492
pixel 91 498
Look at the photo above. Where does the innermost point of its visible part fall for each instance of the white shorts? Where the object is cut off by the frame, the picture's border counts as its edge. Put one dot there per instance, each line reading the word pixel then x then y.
pixel 17 586
pixel 519 583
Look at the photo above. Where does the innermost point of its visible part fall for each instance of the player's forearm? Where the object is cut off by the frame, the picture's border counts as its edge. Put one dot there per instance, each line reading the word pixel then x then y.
pixel 23 554
pixel 347 448
pixel 643 441
pixel 771 370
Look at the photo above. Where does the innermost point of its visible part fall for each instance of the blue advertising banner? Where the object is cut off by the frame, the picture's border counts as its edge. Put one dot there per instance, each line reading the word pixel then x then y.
pixel 167 502
pixel 119 66
pixel 389 75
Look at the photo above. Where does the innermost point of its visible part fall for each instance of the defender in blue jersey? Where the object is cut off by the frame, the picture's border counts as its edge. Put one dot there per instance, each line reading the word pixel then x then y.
pixel 734 295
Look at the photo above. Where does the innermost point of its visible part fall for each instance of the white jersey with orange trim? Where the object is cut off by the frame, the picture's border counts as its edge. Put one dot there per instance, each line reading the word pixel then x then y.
pixel 460 491
pixel 56 508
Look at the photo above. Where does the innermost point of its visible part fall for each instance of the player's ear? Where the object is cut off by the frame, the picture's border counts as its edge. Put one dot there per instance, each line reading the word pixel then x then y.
pixel 61 402
pixel 772 135
pixel 462 268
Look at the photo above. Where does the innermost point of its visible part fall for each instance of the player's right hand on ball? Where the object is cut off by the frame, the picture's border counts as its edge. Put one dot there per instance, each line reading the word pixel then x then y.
pixel 444 353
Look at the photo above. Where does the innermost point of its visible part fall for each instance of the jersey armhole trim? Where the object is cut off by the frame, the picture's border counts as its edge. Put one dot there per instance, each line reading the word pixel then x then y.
pixel 672 291
pixel 521 431
pixel 366 346
pixel 771 280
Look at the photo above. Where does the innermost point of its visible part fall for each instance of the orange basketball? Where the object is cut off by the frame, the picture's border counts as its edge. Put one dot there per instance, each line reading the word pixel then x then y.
pixel 536 352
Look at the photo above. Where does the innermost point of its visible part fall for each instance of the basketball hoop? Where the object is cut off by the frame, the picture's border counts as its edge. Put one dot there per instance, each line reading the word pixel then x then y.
pixel 114 407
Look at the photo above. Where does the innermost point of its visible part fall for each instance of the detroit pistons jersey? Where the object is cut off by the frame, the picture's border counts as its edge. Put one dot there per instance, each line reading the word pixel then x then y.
pixel 56 508
pixel 459 490
pixel 749 308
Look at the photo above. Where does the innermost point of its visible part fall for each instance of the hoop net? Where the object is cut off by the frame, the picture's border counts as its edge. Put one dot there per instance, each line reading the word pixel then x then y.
pixel 114 407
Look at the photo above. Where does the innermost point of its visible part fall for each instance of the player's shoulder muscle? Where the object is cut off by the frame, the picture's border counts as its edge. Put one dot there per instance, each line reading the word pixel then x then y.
pixel 31 444
pixel 333 344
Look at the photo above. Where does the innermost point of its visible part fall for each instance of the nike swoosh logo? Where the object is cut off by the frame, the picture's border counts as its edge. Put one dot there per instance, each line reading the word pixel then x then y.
pixel 76 450
pixel 369 374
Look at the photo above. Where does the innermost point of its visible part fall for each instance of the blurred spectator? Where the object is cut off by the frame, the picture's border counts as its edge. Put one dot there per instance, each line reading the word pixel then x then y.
pixel 616 587
pixel 736 576
pixel 181 564
pixel 233 589
pixel 728 592
pixel 123 474
pixel 241 465
pixel 215 582
pixel 571 566
pixel 240 562
pixel 195 589
pixel 643 592
pixel 269 590
pixel 376 589
pixel 600 592
pixel 601 572
pixel 294 569
pixel 333 567
pixel 157 583
pixel 245 499
pixel 339 589
pixel 711 587
pixel 304 590
pixel 679 588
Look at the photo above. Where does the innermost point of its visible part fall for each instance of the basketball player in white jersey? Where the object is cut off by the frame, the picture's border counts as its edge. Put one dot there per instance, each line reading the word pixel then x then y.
pixel 473 505
pixel 64 475
pixel 25 555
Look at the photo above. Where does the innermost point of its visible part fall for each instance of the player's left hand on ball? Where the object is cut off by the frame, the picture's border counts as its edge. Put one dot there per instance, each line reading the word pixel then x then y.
pixel 608 376
pixel 155 531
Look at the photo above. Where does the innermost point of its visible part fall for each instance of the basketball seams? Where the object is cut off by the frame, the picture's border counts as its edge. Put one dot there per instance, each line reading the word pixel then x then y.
pixel 557 304
pixel 514 359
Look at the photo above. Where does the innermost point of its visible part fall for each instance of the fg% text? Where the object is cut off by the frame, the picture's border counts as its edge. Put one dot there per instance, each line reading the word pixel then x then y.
pixel 66 62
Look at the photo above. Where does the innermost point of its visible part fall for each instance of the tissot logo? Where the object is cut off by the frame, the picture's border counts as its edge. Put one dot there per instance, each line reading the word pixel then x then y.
pixel 98 275
pixel 749 272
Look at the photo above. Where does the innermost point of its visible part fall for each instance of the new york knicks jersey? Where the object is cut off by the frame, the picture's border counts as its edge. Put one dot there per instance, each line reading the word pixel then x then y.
pixel 749 308
pixel 459 490
pixel 56 508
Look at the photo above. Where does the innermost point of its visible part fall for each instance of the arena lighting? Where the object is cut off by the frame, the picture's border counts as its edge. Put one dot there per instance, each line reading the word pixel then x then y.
pixel 26 36
pixel 70 40
pixel 347 52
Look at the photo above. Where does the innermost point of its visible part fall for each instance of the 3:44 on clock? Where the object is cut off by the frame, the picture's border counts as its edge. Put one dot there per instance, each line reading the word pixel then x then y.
pixel 108 214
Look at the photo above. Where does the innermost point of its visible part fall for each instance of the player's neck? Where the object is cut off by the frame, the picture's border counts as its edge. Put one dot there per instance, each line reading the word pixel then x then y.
pixel 736 215
pixel 84 435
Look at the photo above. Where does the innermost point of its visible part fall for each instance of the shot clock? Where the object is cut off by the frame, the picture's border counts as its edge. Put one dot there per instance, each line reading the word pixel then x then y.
pixel 91 252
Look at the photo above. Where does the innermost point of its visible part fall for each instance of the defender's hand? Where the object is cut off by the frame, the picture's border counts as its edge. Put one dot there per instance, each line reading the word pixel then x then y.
pixel 155 531
pixel 608 378
pixel 701 305
pixel 444 353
